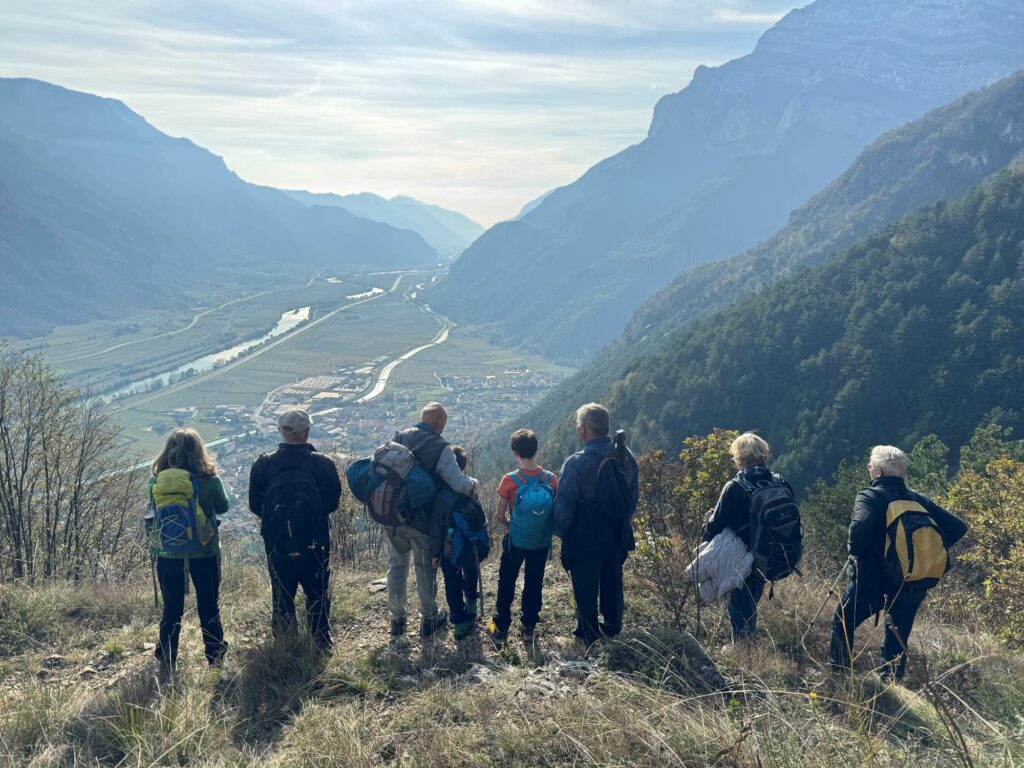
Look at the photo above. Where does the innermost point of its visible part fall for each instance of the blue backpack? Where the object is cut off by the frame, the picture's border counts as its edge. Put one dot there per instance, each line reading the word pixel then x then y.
pixel 467 543
pixel 417 491
pixel 180 527
pixel 532 511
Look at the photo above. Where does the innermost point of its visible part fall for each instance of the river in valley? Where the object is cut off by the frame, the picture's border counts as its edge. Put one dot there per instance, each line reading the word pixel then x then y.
pixel 289 321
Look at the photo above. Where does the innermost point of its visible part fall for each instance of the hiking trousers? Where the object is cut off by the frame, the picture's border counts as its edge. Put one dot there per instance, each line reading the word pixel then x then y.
pixel 461 584
pixel 405 543
pixel 205 574
pixel 311 571
pixel 856 606
pixel 743 607
pixel 512 560
pixel 597 583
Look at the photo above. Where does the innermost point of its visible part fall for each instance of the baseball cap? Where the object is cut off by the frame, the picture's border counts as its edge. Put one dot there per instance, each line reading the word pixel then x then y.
pixel 294 421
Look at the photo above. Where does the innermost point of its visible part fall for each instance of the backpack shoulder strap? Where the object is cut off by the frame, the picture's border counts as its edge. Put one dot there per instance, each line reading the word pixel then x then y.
pixel 747 486
pixel 597 476
pixel 517 479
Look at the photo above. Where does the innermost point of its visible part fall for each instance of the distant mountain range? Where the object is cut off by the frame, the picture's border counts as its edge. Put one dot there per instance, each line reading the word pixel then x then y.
pixel 940 156
pixel 725 161
pixel 100 213
pixel 449 232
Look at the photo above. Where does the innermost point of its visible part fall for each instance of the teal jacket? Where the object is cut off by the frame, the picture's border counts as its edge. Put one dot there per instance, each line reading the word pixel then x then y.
pixel 214 501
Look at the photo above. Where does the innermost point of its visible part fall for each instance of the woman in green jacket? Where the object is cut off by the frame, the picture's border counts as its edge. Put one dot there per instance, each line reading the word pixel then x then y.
pixel 185 468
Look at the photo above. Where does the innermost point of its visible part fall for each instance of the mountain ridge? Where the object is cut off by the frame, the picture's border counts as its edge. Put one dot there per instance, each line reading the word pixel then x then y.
pixel 111 210
pixel 939 156
pixel 725 161
pixel 448 232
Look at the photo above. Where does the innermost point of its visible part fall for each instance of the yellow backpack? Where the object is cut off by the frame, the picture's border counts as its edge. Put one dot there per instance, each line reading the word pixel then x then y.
pixel 915 551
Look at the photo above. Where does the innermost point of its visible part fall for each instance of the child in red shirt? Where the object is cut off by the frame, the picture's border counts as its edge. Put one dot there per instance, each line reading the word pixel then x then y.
pixel 525 506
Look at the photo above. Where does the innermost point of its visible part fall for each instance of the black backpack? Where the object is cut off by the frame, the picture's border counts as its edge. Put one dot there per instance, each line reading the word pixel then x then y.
pixel 292 512
pixel 776 539
pixel 610 493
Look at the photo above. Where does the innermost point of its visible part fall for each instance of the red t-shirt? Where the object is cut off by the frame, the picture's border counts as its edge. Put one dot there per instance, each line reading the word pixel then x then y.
pixel 507 487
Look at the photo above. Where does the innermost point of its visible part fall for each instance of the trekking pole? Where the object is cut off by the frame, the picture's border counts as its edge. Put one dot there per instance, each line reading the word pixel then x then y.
pixel 479 577
pixel 696 591
pixel 152 571
pixel 828 596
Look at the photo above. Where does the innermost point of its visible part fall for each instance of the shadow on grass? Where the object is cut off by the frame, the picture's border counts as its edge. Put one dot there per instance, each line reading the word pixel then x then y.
pixel 270 689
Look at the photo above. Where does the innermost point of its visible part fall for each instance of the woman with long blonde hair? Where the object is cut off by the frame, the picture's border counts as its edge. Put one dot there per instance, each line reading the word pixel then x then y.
pixel 186 499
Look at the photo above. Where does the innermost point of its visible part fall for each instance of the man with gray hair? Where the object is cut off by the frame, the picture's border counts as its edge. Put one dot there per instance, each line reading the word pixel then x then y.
pixel 594 505
pixel 873 587
pixel 413 540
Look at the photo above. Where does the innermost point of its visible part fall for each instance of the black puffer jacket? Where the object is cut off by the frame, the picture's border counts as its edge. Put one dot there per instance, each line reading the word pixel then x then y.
pixel 733 507
pixel 867 529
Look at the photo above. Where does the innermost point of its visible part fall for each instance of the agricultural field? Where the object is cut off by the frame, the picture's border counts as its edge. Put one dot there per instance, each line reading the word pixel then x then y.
pixel 343 324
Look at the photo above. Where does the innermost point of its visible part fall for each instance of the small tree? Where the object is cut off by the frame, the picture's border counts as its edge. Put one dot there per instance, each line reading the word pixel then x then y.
pixel 989 579
pixel 70 507
pixel 674 499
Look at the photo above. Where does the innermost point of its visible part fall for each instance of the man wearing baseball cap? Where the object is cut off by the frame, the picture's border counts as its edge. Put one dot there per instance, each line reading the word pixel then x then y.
pixel 293 491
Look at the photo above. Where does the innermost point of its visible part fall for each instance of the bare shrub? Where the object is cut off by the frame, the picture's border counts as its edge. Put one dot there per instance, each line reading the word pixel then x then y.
pixel 69 507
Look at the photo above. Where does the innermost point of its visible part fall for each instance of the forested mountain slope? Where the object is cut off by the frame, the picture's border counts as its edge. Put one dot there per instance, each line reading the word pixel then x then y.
pixel 917 330
pixel 938 157
pixel 100 212
pixel 724 163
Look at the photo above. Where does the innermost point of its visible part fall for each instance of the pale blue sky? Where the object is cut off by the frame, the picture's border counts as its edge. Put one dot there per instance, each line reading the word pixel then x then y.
pixel 478 106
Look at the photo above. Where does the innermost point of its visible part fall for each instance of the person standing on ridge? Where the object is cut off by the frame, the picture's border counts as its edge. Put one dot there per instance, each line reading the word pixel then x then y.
pixel 413 540
pixel 890 521
pixel 750 454
pixel 597 495
pixel 294 491
pixel 526 500
pixel 186 499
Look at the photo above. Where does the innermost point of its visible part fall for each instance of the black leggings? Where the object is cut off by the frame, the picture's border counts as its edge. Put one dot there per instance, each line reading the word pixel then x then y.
pixel 206 580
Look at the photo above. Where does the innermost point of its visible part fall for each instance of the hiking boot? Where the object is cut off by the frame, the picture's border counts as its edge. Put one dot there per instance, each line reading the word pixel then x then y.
pixel 218 659
pixel 608 631
pixel 471 608
pixel 528 633
pixel 166 672
pixel 496 633
pixel 429 627
pixel 398 627
pixel 463 629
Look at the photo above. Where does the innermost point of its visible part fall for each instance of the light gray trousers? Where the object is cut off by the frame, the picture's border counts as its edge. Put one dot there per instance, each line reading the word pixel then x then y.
pixel 405 543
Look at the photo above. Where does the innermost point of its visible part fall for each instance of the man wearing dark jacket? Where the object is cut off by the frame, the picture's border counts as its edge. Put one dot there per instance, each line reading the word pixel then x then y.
pixel 871 590
pixel 420 538
pixel 750 453
pixel 593 548
pixel 318 485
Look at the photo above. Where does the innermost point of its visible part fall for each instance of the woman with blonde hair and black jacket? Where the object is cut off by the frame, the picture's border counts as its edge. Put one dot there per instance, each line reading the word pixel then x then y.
pixel 186 498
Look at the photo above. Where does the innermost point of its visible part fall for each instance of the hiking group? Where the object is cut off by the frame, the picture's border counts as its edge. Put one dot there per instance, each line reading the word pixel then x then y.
pixel 415 486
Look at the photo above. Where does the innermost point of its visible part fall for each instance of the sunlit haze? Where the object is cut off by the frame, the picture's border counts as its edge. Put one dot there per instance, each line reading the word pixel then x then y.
pixel 478 106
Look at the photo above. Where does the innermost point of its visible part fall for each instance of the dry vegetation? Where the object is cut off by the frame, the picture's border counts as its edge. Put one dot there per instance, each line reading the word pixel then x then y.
pixel 648 701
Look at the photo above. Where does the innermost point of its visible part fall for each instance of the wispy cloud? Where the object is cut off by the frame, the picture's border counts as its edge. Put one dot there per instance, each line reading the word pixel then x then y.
pixel 753 18
pixel 474 104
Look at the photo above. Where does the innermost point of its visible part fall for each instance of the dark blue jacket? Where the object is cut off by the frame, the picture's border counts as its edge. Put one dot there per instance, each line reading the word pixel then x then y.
pixel 576 480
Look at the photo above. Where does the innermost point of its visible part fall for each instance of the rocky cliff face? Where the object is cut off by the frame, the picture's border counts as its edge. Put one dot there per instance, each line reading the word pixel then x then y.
pixel 726 160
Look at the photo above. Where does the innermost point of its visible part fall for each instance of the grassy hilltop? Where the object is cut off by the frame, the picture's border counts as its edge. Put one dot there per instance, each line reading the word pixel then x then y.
pixel 78 688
